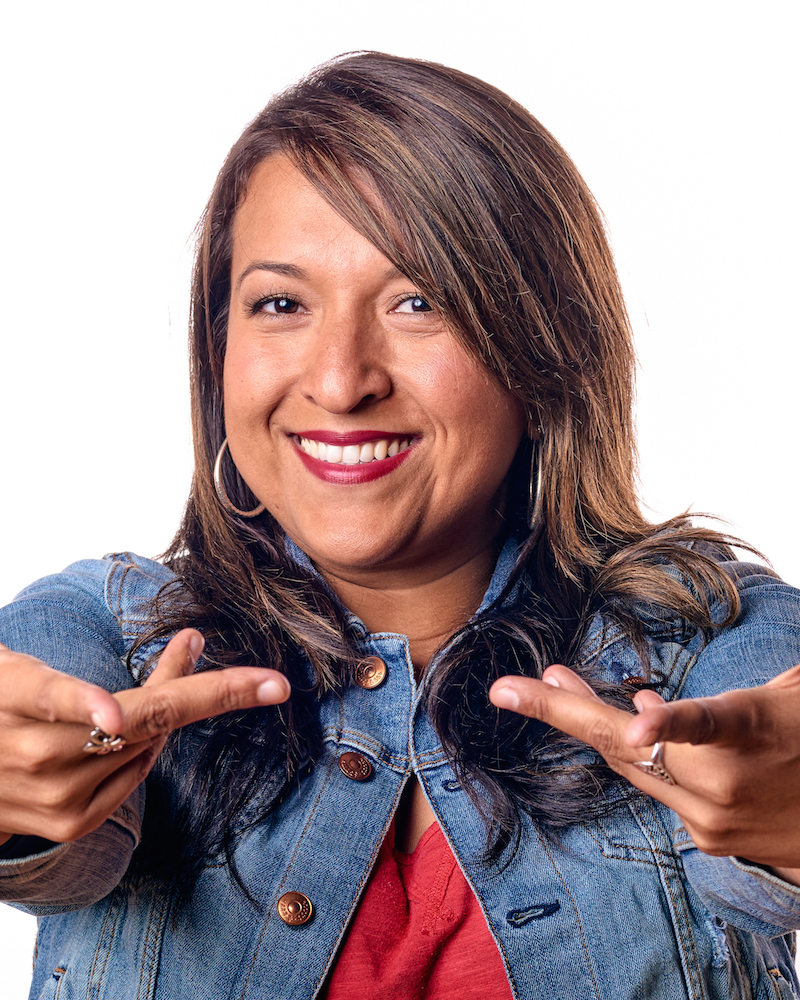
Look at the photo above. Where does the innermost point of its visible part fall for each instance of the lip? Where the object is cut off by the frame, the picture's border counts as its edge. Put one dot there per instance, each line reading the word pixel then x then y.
pixel 349 475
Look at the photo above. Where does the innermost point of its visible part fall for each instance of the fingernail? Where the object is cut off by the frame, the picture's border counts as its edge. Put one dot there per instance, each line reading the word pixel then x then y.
pixel 506 697
pixel 196 644
pixel 551 681
pixel 271 691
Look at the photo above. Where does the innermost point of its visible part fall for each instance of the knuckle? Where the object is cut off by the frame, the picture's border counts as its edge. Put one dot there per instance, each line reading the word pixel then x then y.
pixel 706 724
pixel 537 707
pixel 71 827
pixel 159 714
pixel 32 756
pixel 711 831
pixel 54 798
pixel 228 695
pixel 603 736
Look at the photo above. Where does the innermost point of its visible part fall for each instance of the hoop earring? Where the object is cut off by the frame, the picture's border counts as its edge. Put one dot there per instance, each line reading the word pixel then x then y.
pixel 535 493
pixel 222 496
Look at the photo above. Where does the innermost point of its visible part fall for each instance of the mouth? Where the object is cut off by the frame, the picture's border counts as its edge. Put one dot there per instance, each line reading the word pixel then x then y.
pixel 355 453
pixel 353 458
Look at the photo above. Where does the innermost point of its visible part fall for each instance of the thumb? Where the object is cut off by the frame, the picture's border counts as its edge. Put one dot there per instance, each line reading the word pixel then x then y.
pixel 789 678
pixel 178 658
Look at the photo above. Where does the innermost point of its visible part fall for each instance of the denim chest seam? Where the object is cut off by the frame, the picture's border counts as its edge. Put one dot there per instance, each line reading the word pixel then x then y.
pixel 152 940
pixel 109 927
pixel 576 911
pixel 290 861
pixel 681 917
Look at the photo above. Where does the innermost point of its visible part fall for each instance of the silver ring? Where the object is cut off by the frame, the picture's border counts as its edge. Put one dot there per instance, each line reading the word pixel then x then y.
pixel 655 766
pixel 101 742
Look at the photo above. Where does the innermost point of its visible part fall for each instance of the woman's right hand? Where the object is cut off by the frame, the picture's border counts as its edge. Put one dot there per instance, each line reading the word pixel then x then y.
pixel 49 786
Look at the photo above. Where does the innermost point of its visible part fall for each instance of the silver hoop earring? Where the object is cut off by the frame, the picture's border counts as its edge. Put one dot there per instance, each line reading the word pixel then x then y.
pixel 535 492
pixel 222 496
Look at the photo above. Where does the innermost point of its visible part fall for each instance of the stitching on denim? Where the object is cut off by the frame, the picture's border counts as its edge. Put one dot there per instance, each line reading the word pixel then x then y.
pixel 543 844
pixel 162 911
pixel 359 890
pixel 112 917
pixel 681 927
pixel 380 752
pixel 277 892
pixel 647 853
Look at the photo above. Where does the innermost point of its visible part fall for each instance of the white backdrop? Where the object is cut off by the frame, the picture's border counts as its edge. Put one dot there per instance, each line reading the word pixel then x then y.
pixel 117 117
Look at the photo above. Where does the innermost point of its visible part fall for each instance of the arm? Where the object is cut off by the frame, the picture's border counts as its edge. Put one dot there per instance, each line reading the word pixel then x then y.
pixel 735 757
pixel 734 754
pixel 51 788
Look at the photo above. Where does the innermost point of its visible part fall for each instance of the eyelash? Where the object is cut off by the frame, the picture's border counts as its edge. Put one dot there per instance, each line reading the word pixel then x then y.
pixel 257 306
pixel 410 298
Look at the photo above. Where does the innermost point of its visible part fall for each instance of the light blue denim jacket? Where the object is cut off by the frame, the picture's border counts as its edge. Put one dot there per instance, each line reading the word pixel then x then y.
pixel 621 907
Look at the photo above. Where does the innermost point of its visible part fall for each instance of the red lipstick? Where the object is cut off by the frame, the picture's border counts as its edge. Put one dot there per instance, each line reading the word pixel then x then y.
pixel 348 475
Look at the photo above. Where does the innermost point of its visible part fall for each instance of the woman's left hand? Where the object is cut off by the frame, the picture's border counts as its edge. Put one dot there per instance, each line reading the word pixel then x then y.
pixel 734 758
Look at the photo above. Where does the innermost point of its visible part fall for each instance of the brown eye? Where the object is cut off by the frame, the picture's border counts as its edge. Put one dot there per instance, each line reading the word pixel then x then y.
pixel 280 304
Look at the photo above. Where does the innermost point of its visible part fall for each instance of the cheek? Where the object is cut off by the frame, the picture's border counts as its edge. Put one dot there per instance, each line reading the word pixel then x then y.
pixel 250 387
pixel 491 417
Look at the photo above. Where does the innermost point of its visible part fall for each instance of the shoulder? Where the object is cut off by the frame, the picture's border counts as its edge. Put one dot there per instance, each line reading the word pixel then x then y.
pixel 91 613
pixel 119 583
pixel 763 641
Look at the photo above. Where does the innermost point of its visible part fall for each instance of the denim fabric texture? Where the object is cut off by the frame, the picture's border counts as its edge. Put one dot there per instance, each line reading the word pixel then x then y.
pixel 620 908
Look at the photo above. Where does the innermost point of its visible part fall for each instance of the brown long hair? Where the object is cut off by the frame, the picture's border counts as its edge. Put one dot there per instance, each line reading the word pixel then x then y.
pixel 472 199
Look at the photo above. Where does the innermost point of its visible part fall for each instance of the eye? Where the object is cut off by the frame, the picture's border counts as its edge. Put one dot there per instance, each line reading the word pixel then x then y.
pixel 277 304
pixel 413 304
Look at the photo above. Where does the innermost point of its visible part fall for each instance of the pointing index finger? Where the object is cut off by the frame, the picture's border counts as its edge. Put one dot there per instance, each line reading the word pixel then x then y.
pixel 588 719
pixel 155 710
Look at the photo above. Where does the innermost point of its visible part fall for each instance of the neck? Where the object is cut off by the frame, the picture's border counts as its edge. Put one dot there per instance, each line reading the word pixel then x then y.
pixel 428 610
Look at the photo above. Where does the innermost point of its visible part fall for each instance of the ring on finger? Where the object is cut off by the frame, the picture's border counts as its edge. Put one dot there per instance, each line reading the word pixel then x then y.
pixel 655 766
pixel 101 742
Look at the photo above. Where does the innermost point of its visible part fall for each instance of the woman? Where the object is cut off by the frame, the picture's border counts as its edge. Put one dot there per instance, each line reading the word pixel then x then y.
pixel 411 378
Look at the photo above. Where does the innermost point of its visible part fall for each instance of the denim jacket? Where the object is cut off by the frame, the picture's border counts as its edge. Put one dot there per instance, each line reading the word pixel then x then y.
pixel 618 908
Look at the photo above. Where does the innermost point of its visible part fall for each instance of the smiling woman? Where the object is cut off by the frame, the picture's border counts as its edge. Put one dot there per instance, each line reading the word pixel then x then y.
pixel 414 475
pixel 331 356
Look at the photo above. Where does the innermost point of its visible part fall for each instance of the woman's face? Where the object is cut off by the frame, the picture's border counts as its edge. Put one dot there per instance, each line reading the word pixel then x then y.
pixel 351 410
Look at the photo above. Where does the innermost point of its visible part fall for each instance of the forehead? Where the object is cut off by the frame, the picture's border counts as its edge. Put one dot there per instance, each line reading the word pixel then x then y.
pixel 284 216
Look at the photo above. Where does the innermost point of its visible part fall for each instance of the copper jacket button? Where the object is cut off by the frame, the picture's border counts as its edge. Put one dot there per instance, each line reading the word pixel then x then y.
pixel 355 765
pixel 294 908
pixel 371 672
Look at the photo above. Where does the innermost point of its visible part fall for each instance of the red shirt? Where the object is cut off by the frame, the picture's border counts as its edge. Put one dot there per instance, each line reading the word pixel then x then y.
pixel 418 933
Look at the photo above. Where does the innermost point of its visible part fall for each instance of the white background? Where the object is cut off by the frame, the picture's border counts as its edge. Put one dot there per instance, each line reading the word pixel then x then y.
pixel 681 117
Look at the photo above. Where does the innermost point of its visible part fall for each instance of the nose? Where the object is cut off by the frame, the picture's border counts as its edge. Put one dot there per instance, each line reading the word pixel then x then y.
pixel 345 364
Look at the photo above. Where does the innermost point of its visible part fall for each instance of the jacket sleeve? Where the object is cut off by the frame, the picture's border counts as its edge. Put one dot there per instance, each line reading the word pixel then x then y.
pixel 764 641
pixel 65 877
pixel 67 622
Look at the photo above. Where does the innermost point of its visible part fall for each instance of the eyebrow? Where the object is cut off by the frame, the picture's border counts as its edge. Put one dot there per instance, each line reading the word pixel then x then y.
pixel 293 271
pixel 288 270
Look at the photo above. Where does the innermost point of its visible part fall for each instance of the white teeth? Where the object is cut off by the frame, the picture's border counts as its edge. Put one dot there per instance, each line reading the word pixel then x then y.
pixel 354 454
